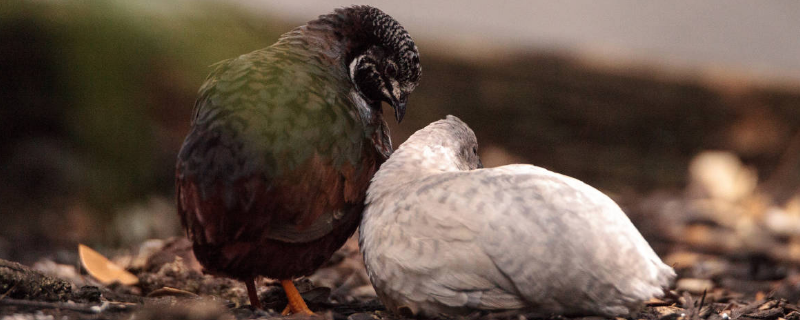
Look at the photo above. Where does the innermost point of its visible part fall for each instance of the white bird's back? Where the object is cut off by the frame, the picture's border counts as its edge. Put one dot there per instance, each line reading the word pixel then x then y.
pixel 440 236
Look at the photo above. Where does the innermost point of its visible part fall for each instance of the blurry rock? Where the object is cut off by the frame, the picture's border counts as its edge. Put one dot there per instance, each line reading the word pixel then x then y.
pixel 720 175
pixel 693 285
pixel 784 221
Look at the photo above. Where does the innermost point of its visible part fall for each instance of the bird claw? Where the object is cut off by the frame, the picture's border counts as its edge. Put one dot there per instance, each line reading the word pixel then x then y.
pixel 288 311
pixel 296 304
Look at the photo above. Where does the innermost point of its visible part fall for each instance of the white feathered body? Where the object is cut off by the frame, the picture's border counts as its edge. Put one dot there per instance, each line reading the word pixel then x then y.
pixel 440 239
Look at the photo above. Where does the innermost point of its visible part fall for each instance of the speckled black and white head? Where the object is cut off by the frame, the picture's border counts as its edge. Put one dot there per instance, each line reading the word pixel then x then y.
pixel 381 76
pixel 381 58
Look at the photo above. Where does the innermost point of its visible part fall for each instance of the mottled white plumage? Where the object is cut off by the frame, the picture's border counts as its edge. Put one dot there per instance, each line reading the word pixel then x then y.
pixel 440 235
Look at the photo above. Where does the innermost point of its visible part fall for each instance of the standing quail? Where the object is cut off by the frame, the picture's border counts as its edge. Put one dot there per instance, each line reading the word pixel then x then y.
pixel 272 177
pixel 442 235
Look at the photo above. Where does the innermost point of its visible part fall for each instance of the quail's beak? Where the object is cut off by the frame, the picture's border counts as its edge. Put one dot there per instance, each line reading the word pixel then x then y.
pixel 480 164
pixel 399 106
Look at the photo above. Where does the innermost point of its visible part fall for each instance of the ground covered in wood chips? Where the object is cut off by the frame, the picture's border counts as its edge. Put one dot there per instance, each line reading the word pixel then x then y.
pixel 172 286
pixel 735 248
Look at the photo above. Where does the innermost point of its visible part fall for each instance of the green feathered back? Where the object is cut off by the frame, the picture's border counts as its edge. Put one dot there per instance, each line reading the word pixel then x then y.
pixel 270 110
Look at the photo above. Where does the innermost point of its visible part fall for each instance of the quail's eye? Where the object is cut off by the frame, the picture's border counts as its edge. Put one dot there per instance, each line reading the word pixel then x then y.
pixel 475 150
pixel 391 70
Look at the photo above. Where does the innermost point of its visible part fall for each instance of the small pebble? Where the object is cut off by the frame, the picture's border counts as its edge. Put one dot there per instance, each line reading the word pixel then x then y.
pixel 693 285
pixel 100 308
pixel 361 316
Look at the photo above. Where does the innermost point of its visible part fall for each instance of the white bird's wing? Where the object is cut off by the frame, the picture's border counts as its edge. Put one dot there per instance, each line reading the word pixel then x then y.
pixel 430 255
pixel 520 232
pixel 566 246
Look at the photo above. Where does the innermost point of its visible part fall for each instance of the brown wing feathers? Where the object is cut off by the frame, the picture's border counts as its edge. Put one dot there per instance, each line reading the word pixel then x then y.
pixel 316 193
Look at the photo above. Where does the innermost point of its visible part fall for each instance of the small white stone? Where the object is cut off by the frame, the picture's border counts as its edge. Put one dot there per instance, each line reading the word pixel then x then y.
pixel 100 308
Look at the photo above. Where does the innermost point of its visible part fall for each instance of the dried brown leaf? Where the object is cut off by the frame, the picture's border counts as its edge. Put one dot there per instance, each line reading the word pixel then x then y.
pixel 173 292
pixel 102 269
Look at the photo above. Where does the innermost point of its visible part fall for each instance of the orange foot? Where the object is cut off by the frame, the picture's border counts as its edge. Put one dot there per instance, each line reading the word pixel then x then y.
pixel 296 303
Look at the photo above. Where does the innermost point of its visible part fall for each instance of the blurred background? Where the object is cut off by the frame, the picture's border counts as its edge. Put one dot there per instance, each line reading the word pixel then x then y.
pixel 687 113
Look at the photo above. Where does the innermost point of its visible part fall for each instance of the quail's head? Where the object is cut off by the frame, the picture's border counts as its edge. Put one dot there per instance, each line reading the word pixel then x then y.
pixel 462 141
pixel 388 70
pixel 448 143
